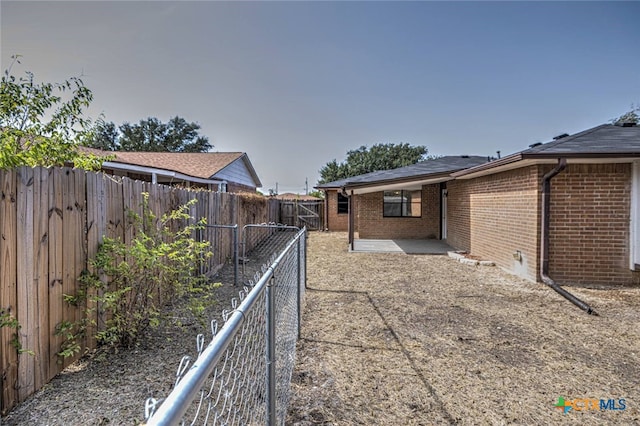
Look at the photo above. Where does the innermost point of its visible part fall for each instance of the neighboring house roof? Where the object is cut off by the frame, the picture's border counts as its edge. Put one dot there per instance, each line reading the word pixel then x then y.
pixel 203 166
pixel 298 197
pixel 408 177
pixel 604 143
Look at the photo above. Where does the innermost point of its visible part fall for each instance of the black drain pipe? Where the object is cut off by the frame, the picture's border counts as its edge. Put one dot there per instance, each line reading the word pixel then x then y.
pixel 544 237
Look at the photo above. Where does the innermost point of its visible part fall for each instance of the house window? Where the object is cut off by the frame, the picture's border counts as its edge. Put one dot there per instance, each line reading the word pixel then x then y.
pixel 402 203
pixel 343 204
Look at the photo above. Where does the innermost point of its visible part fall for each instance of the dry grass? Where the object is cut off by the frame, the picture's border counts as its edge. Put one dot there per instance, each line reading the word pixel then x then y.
pixel 393 339
pixel 420 340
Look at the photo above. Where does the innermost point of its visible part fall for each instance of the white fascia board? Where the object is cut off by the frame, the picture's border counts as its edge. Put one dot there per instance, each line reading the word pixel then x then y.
pixel 158 172
pixel 552 160
pixel 408 186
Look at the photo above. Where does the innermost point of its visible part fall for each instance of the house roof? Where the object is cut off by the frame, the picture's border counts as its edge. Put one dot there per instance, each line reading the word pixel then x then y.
pixel 298 197
pixel 201 165
pixel 604 143
pixel 428 171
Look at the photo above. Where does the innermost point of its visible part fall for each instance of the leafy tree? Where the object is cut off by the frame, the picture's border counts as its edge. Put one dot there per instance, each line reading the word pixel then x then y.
pixel 317 194
pixel 629 117
pixel 150 135
pixel 104 136
pixel 41 124
pixel 365 160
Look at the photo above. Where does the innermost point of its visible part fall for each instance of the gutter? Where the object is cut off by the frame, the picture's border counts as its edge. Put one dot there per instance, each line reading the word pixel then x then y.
pixel 544 239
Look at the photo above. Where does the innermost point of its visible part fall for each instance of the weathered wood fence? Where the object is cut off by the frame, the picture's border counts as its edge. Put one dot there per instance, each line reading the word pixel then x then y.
pixel 51 222
pixel 302 213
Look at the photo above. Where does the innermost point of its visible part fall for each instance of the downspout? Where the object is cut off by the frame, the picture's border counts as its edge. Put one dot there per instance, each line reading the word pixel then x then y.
pixel 544 239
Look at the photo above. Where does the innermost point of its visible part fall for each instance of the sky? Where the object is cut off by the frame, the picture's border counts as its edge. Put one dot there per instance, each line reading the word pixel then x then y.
pixel 298 84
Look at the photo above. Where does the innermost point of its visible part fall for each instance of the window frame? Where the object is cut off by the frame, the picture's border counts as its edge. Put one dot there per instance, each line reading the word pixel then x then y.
pixel 403 204
pixel 344 203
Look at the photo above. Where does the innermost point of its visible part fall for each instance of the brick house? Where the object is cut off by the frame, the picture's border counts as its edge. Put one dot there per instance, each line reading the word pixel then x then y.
pixel 590 230
pixel 568 209
pixel 217 171
pixel 398 203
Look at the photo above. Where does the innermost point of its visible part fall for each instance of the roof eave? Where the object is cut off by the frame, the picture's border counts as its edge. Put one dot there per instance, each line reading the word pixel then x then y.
pixel 252 171
pixel 524 160
pixel 159 172
pixel 398 183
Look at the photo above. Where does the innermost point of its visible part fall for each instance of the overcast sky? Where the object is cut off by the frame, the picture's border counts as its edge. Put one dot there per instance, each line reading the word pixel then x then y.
pixel 297 84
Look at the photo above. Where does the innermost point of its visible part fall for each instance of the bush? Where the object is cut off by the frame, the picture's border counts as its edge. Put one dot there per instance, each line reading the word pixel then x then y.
pixel 129 284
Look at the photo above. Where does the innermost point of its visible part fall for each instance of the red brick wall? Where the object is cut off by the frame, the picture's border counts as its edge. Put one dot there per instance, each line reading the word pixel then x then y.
pixel 336 222
pixel 589 225
pixel 494 216
pixel 372 224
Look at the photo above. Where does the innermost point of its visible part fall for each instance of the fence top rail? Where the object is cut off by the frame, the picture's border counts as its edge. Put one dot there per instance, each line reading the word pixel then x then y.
pixel 172 410
pixel 222 226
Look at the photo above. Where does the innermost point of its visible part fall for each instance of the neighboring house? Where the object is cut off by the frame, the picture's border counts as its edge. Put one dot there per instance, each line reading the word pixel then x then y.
pixel 290 196
pixel 398 203
pixel 590 234
pixel 217 171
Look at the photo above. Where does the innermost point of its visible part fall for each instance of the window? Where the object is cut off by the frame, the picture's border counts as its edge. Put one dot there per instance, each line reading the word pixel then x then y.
pixel 402 203
pixel 343 204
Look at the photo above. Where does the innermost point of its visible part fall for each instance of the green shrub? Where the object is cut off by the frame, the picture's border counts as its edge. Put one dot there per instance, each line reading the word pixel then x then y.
pixel 129 284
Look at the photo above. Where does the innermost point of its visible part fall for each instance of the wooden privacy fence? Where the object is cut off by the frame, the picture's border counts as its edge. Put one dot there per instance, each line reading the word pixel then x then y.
pixel 51 222
pixel 302 213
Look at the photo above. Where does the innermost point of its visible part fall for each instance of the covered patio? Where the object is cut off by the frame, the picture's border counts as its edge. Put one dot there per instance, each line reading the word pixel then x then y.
pixel 423 246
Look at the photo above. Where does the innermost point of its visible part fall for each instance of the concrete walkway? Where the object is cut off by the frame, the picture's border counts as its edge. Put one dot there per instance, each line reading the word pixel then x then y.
pixel 401 246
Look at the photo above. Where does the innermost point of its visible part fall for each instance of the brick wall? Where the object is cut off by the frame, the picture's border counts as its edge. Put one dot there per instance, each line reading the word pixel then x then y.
pixel 589 225
pixel 372 224
pixel 336 222
pixel 495 216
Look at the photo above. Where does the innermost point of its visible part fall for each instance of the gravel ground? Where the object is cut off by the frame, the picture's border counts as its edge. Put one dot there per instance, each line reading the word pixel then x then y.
pixel 397 339
pixel 421 340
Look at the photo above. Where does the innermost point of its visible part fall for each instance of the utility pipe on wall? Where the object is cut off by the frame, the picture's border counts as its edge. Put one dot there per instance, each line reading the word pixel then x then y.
pixel 544 239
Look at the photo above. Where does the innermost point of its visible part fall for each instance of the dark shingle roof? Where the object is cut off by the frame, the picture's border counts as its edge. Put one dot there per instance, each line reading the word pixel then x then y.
pixel 605 139
pixel 442 165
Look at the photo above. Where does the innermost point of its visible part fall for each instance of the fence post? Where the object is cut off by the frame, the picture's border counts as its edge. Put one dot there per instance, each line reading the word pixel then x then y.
pixel 235 255
pixel 299 290
pixel 271 351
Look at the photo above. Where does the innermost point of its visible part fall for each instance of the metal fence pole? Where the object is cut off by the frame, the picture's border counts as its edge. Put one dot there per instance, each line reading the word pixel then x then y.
pixel 235 255
pixel 271 352
pixel 298 290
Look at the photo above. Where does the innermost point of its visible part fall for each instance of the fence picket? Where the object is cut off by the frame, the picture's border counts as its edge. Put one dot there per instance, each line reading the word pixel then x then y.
pixel 27 311
pixel 56 232
pixel 8 299
pixel 41 278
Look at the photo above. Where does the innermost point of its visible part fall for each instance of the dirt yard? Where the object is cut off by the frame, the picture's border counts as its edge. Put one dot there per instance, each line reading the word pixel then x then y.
pixel 393 339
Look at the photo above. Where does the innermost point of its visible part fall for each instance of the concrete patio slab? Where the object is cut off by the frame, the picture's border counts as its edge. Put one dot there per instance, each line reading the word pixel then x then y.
pixel 401 246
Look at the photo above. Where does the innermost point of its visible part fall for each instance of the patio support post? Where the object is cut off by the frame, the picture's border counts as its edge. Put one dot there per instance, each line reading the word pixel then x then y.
pixel 351 221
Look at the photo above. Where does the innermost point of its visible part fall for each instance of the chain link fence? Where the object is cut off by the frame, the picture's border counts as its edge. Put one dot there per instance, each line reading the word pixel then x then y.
pixel 242 377
pixel 261 241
